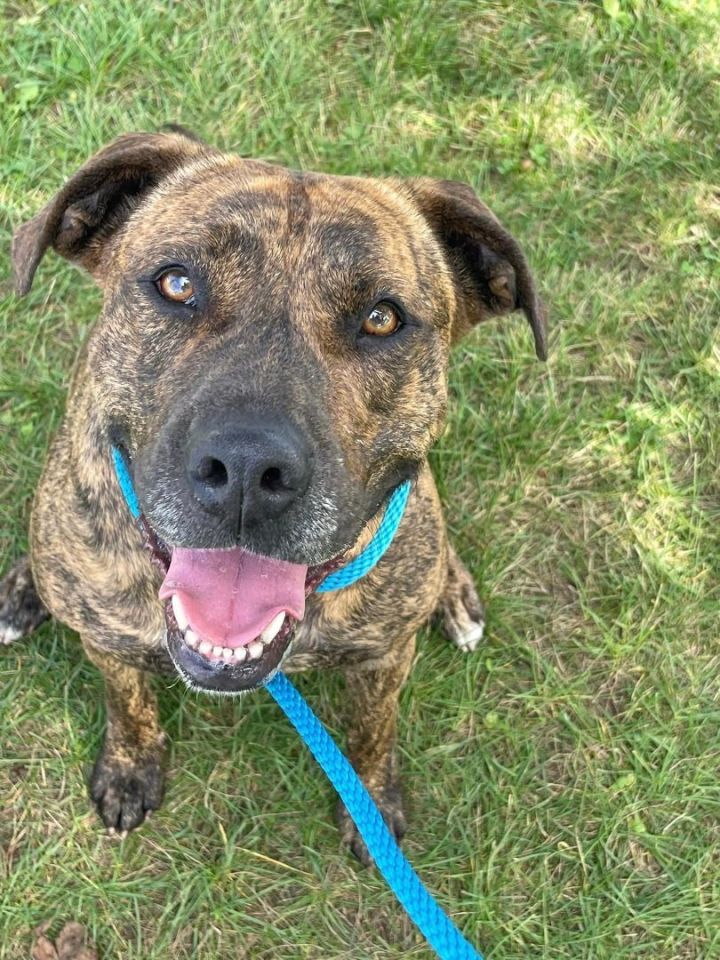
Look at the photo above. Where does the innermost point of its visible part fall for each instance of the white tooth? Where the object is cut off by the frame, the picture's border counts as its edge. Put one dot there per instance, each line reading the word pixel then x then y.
pixel 255 650
pixel 205 648
pixel 180 615
pixel 192 639
pixel 273 628
pixel 217 651
pixel 240 654
pixel 227 654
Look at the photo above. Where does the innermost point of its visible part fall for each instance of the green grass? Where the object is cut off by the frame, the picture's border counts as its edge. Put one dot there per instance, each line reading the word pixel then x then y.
pixel 565 781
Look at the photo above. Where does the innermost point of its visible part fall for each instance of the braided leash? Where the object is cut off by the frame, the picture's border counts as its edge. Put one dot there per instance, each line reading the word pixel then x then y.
pixel 432 921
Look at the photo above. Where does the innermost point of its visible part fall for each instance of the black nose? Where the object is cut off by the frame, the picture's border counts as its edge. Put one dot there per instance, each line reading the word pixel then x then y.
pixel 249 468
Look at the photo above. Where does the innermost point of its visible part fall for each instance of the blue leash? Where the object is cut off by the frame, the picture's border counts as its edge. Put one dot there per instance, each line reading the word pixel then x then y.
pixel 435 925
pixel 432 921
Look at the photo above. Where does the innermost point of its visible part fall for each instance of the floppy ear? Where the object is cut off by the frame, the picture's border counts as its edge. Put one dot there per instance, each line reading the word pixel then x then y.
pixel 490 271
pixel 95 202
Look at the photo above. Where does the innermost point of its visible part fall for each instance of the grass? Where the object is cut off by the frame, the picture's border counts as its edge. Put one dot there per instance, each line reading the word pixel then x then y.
pixel 564 782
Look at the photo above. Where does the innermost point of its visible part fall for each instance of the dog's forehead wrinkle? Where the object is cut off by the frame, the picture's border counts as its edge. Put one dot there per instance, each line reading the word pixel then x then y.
pixel 298 205
pixel 385 207
pixel 197 198
pixel 237 188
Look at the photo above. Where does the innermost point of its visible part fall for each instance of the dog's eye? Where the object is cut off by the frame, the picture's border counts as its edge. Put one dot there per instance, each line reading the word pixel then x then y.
pixel 176 286
pixel 382 320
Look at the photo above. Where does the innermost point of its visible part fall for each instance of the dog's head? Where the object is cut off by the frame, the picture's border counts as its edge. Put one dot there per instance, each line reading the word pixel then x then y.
pixel 272 356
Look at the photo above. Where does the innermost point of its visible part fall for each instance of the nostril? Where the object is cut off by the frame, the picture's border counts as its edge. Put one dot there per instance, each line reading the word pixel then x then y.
pixel 246 471
pixel 212 472
pixel 272 480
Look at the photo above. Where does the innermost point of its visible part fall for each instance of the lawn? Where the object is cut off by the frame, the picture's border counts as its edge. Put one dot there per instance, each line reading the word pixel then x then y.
pixel 565 780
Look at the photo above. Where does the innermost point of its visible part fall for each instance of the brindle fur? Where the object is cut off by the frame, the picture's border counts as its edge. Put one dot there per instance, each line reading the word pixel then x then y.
pixel 291 259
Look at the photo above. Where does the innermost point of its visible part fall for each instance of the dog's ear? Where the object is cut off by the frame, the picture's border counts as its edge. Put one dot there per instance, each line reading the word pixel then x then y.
pixel 98 199
pixel 490 271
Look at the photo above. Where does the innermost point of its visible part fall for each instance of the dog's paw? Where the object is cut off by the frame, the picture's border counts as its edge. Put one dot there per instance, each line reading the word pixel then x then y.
pixel 21 609
pixel 126 791
pixel 463 619
pixel 460 609
pixel 468 639
pixel 389 803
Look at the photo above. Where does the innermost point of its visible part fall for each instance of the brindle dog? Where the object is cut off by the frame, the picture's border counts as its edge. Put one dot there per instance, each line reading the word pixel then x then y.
pixel 272 359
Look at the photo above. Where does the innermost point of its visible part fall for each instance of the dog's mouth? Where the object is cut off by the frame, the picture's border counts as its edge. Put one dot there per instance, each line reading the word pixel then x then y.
pixel 230 614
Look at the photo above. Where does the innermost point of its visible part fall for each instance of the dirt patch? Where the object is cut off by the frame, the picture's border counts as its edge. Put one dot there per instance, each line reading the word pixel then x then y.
pixel 70 944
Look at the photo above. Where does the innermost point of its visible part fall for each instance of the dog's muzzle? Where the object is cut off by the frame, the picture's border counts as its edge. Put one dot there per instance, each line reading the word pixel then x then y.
pixel 231 613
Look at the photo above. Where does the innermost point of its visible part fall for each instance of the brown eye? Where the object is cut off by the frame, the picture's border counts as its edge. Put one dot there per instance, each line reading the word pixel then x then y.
pixel 382 320
pixel 176 286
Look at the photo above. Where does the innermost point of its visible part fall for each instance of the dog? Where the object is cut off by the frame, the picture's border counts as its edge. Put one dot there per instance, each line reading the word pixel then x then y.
pixel 272 360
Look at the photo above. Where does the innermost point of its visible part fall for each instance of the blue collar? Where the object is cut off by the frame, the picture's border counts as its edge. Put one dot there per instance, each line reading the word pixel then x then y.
pixel 345 576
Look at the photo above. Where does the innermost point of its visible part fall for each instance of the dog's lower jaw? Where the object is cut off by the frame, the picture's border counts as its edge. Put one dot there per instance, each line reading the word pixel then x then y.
pixel 203 675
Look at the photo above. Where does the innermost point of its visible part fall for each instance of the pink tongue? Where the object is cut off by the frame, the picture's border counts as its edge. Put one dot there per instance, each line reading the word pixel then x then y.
pixel 230 596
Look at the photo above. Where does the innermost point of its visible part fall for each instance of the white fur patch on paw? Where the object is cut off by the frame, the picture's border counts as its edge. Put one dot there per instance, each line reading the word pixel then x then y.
pixel 468 640
pixel 9 634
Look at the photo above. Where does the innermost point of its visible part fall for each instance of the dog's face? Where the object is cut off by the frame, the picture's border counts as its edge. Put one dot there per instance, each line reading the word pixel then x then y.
pixel 272 357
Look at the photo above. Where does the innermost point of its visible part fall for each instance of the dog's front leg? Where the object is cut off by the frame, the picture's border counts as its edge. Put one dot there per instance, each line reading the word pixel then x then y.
pixel 373 690
pixel 127 780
